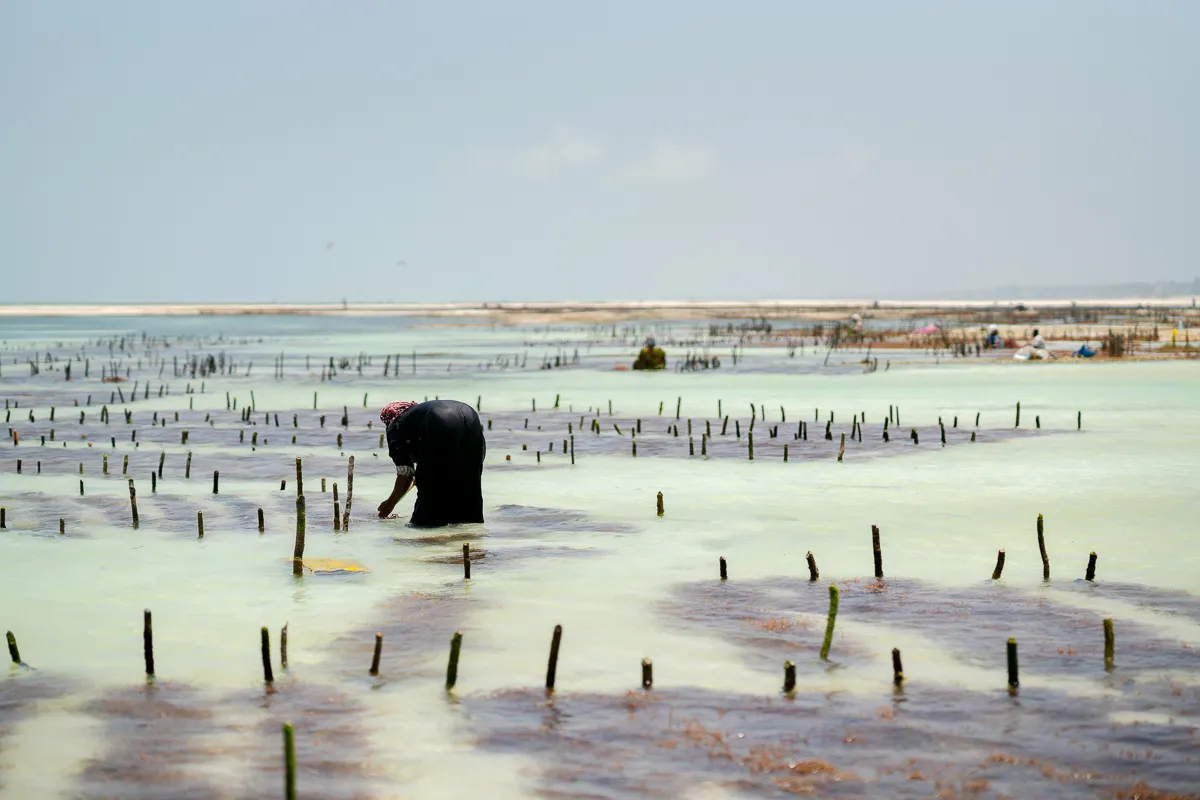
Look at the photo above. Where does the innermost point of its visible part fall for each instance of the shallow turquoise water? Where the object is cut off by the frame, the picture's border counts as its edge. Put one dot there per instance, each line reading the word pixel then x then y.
pixel 577 545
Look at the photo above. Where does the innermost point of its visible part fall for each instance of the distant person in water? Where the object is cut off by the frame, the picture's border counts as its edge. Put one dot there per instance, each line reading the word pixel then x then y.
pixel 439 447
pixel 651 357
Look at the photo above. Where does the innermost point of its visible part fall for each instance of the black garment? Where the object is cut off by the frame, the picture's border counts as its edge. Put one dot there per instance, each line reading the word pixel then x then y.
pixel 444 441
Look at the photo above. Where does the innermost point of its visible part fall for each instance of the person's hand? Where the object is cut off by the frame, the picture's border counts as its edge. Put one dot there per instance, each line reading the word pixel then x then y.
pixel 385 508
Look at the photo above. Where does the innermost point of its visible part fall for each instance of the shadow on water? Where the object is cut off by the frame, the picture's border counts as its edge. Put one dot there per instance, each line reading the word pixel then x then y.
pixel 167 739
pixel 926 741
pixel 1132 734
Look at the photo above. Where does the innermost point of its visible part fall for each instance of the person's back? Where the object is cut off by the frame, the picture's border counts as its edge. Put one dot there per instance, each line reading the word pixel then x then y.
pixel 651 357
pixel 440 444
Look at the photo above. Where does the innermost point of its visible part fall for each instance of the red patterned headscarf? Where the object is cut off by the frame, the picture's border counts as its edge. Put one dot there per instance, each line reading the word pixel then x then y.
pixel 393 410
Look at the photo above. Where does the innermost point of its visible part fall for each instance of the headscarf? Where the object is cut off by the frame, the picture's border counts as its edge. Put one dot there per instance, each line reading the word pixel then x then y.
pixel 393 410
pixel 650 341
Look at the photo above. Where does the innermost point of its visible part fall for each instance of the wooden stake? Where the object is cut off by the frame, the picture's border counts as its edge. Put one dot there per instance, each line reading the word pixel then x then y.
pixel 299 477
pixel 268 673
pixel 660 504
pixel 1091 568
pixel 897 667
pixel 724 571
pixel 378 652
pixel 148 643
pixel 1013 678
pixel 289 763
pixel 261 522
pixel 789 677
pixel 999 566
pixel 833 607
pixel 200 524
pixel 133 502
pixel 187 472
pixel 466 561
pixel 877 551
pixel 842 447
pixel 283 647
pixel 1018 416
pixel 813 572
pixel 647 673
pixel 452 664
pixel 1108 644
pixel 349 494
pixel 13 652
pixel 216 481
pixel 1042 548
pixel 552 666
pixel 298 552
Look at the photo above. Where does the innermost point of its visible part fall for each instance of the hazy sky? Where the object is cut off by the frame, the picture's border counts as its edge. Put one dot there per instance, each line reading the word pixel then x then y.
pixel 258 151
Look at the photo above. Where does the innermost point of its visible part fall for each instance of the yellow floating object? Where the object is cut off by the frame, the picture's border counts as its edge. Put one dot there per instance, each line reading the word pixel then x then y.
pixel 330 566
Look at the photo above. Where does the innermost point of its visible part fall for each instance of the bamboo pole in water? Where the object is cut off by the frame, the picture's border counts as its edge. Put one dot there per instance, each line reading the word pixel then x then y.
pixel 378 652
pixel 833 607
pixel 268 672
pixel 452 664
pixel 552 666
pixel 1042 547
pixel 289 762
pixel 148 643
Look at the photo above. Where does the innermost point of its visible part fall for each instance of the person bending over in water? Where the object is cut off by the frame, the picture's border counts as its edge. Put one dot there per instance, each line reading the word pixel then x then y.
pixel 651 357
pixel 439 446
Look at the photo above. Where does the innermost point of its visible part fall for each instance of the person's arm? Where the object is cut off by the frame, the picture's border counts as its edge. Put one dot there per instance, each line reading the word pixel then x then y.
pixel 403 483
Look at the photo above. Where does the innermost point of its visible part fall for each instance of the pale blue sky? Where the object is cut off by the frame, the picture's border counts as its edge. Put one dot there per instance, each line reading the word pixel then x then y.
pixel 296 151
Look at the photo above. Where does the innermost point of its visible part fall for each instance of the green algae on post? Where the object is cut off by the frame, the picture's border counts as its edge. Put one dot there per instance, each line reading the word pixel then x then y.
pixel 660 504
pixel 299 476
pixel 283 646
pixel 1018 416
pixel 378 653
pixel 999 565
pixel 833 607
pixel 289 762
pixel 1090 575
pixel 647 673
pixel 813 572
pixel 552 665
pixel 897 667
pixel 789 677
pixel 1013 678
pixel 1108 644
pixel 452 664
pixel 1042 548
pixel 13 652
pixel 200 524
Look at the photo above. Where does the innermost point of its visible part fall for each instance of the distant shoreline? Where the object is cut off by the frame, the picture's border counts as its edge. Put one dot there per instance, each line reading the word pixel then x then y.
pixel 663 309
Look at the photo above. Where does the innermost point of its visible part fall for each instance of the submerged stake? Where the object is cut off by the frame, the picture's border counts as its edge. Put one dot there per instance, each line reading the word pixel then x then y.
pixel 298 552
pixel 878 552
pixel 552 666
pixel 897 667
pixel 452 664
pixel 723 570
pixel 1042 548
pixel 1091 567
pixel 813 572
pixel 1108 644
pixel 268 673
pixel 378 652
pixel 1013 680
pixel 999 566
pixel 148 643
pixel 833 607
pixel 289 762
pixel 261 525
